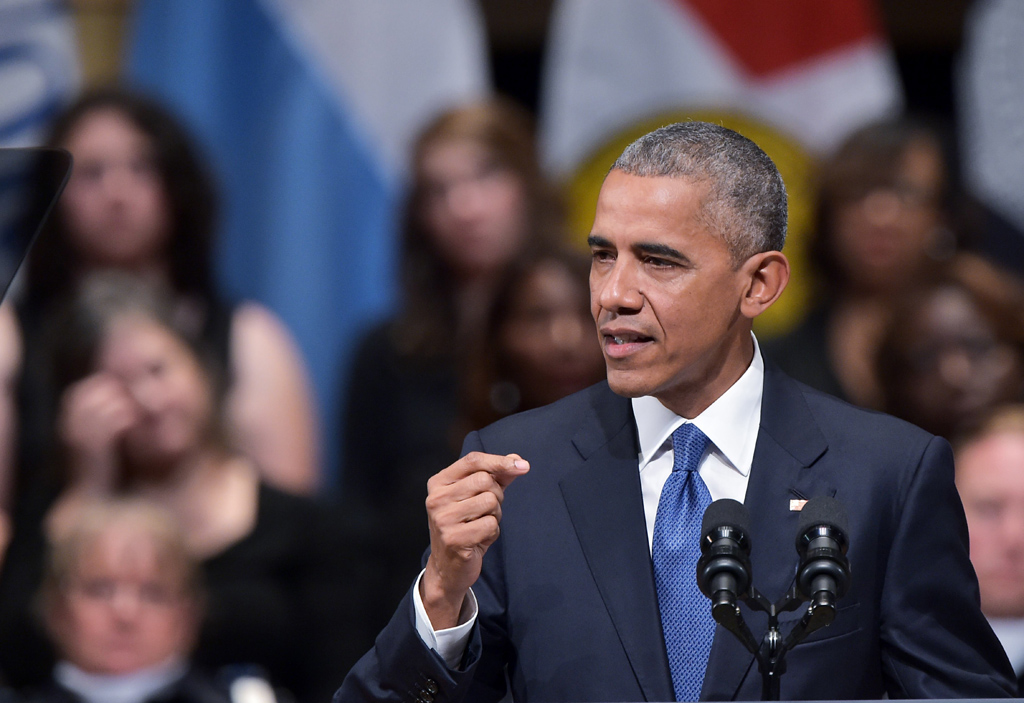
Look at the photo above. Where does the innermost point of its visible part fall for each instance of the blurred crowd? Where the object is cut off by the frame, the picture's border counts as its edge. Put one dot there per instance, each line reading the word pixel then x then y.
pixel 167 532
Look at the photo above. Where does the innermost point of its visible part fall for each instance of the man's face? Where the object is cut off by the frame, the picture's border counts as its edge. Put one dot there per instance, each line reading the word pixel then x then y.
pixel 123 610
pixel 990 478
pixel 665 293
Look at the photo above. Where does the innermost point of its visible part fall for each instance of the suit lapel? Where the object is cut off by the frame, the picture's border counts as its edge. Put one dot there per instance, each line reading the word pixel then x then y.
pixel 604 502
pixel 789 442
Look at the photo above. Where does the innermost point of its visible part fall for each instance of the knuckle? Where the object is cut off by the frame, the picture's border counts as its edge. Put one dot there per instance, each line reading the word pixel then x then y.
pixel 446 533
pixel 492 526
pixel 481 481
pixel 434 482
pixel 490 501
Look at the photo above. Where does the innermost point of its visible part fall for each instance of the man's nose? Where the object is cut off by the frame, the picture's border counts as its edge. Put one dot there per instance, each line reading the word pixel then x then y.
pixel 618 289
pixel 125 604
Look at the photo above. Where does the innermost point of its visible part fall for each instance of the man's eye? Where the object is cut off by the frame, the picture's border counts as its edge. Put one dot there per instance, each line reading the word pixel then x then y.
pixel 602 256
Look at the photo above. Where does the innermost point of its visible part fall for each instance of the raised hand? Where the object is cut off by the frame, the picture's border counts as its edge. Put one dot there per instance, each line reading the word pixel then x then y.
pixel 464 512
pixel 94 413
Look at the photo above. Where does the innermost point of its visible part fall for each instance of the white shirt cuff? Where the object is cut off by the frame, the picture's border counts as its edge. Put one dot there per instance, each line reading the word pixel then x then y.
pixel 450 643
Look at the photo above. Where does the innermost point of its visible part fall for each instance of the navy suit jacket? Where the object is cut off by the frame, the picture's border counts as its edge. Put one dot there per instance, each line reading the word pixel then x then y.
pixel 568 609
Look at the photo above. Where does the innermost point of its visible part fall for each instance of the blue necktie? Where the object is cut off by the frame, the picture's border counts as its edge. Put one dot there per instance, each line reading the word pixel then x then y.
pixel 685 612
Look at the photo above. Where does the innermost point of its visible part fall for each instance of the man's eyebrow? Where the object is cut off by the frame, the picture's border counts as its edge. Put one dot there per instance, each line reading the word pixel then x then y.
pixel 596 241
pixel 662 250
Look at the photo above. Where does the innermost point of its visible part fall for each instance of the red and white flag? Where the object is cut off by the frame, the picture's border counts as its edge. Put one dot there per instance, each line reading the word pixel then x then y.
pixel 794 75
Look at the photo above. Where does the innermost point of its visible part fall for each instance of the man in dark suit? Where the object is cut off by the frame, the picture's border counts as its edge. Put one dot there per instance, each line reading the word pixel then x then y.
pixel 573 602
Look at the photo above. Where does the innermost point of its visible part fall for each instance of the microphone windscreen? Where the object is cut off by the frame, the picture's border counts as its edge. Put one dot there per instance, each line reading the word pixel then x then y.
pixel 824 510
pixel 725 511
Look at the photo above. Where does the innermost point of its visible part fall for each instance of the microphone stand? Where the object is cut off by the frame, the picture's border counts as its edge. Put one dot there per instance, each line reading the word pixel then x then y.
pixel 771 654
pixel 723 575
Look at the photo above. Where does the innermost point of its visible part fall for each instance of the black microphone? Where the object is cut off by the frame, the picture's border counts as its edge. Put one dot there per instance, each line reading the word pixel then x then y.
pixel 723 571
pixel 824 572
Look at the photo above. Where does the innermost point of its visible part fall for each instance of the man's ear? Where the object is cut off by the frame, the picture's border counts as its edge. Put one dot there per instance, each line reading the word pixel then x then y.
pixel 766 276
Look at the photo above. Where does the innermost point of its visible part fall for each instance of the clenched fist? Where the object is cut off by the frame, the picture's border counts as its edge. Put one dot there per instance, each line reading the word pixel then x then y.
pixel 464 511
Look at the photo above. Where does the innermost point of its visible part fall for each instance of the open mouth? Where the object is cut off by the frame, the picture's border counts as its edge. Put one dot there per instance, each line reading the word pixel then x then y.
pixel 629 338
pixel 626 337
pixel 624 343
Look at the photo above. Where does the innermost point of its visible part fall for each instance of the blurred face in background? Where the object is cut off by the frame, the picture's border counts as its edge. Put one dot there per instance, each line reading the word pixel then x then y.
pixel 958 367
pixel 166 385
pixel 114 205
pixel 548 339
pixel 882 234
pixel 474 207
pixel 990 478
pixel 123 609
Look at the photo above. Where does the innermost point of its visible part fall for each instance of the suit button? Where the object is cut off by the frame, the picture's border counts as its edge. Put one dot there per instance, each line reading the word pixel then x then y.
pixel 431 687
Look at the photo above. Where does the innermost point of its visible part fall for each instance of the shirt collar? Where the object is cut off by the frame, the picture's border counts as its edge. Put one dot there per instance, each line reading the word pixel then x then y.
pixel 1010 632
pixel 120 688
pixel 731 422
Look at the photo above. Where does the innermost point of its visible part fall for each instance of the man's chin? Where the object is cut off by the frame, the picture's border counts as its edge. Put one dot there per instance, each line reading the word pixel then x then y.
pixel 627 387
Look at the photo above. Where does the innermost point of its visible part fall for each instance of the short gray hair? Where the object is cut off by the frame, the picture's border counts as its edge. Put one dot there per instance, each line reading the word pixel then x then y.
pixel 746 203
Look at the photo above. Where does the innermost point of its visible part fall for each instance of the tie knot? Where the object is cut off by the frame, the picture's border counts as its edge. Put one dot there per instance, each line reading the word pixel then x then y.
pixel 688 444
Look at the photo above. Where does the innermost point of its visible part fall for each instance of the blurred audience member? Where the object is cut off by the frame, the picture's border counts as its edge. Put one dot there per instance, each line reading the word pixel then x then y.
pixel 539 342
pixel 881 227
pixel 954 348
pixel 990 478
pixel 140 199
pixel 477 202
pixel 139 417
pixel 122 602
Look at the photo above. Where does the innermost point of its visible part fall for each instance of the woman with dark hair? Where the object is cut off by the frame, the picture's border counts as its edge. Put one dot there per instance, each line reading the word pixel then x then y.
pixel 477 203
pixel 478 200
pixel 954 348
pixel 139 417
pixel 539 343
pixel 882 226
pixel 141 200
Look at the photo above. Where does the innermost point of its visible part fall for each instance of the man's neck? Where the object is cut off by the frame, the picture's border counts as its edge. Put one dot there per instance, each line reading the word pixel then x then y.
pixel 690 398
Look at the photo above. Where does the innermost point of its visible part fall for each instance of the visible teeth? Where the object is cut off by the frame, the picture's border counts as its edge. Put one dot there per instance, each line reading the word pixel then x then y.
pixel 619 340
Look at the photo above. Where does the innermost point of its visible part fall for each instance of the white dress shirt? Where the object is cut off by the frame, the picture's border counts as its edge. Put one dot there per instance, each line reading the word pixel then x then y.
pixel 731 423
